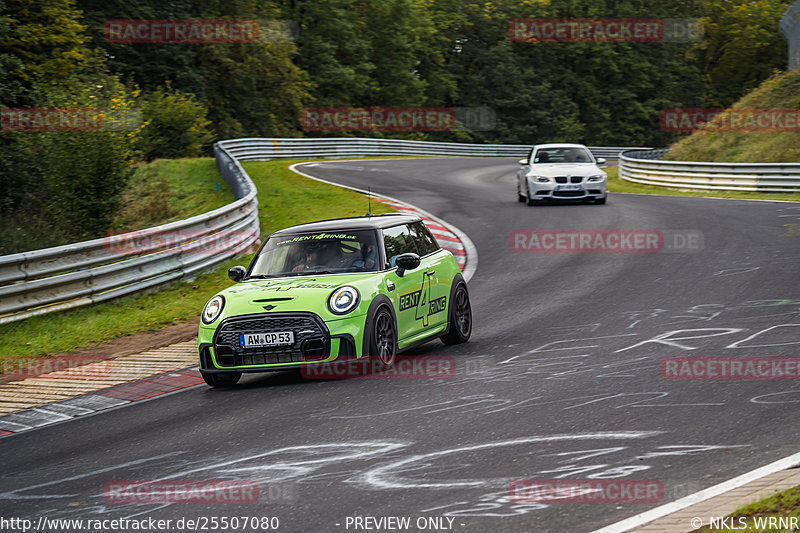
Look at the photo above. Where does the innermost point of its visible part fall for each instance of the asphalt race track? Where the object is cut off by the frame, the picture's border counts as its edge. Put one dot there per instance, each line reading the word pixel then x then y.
pixel 562 379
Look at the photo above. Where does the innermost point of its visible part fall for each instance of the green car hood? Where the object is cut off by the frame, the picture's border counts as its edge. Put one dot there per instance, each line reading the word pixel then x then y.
pixel 301 293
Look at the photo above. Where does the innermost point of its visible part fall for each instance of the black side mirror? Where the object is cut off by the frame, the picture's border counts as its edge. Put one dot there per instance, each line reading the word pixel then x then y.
pixel 404 262
pixel 237 273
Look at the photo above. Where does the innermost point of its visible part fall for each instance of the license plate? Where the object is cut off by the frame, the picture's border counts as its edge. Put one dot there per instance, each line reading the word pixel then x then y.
pixel 281 338
pixel 569 188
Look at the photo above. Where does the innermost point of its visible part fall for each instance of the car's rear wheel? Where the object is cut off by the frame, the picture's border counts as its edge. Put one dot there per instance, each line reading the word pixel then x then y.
pixel 460 317
pixel 383 340
pixel 520 197
pixel 220 380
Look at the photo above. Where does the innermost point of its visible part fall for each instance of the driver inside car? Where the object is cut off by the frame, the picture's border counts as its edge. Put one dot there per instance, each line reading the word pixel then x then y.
pixel 311 258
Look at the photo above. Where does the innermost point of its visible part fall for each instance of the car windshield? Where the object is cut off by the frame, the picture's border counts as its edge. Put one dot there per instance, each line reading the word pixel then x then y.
pixel 317 253
pixel 562 155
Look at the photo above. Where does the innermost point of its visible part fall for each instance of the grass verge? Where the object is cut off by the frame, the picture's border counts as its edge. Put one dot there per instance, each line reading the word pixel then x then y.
pixel 736 145
pixel 616 184
pixel 755 517
pixel 168 190
pixel 284 199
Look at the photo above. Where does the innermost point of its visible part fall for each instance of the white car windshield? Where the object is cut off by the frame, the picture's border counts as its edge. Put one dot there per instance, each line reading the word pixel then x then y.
pixel 317 253
pixel 568 155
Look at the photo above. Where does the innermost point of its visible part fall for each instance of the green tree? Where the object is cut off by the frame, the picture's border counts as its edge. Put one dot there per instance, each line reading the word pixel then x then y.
pixel 42 44
pixel 175 125
pixel 363 53
pixel 249 88
pixel 57 187
pixel 743 46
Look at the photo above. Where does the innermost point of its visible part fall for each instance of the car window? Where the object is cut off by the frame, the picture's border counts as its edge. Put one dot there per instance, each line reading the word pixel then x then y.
pixel 562 155
pixel 310 253
pixel 423 238
pixel 398 240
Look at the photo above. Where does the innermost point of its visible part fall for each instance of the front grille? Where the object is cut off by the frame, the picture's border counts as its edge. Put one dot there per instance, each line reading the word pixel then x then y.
pixel 568 194
pixel 569 179
pixel 311 339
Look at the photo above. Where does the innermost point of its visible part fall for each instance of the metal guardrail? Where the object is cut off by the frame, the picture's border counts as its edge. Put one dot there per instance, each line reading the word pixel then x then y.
pixel 63 277
pixel 646 166
pixel 262 149
pixel 72 275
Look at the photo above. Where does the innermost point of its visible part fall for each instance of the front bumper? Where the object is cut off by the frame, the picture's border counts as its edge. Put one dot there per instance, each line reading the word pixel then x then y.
pixel 566 188
pixel 314 342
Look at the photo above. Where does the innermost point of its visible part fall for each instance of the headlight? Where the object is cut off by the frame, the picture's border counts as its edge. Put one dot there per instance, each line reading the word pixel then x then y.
pixel 541 179
pixel 343 300
pixel 213 309
pixel 597 177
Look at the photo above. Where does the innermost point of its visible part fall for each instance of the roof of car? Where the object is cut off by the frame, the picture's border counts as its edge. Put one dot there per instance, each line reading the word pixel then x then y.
pixel 560 145
pixel 352 223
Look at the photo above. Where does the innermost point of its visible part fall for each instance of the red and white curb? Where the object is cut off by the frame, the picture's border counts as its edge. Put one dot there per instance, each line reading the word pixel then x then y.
pixel 87 404
pixel 448 236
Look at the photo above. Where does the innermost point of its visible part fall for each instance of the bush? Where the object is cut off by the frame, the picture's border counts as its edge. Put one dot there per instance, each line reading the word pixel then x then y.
pixel 60 187
pixel 175 126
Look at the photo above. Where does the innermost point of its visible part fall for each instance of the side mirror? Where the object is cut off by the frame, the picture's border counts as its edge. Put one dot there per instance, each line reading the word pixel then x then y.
pixel 404 262
pixel 237 273
pixel 523 162
pixel 601 161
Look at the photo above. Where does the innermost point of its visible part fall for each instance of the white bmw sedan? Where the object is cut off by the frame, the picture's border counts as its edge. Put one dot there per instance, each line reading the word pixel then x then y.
pixel 560 172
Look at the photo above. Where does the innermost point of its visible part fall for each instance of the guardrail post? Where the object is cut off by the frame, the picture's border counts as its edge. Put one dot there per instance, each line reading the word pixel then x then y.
pixel 790 26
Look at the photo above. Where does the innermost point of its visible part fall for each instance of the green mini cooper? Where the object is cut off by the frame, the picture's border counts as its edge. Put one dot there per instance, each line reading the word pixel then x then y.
pixel 334 290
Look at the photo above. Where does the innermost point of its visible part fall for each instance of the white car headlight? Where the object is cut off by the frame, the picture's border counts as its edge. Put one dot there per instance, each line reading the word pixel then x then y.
pixel 343 300
pixel 213 309
pixel 542 179
pixel 597 177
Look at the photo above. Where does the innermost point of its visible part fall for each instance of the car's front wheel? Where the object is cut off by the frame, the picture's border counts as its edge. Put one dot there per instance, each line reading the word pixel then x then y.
pixel 226 379
pixel 460 317
pixel 383 338
pixel 601 201
pixel 531 201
